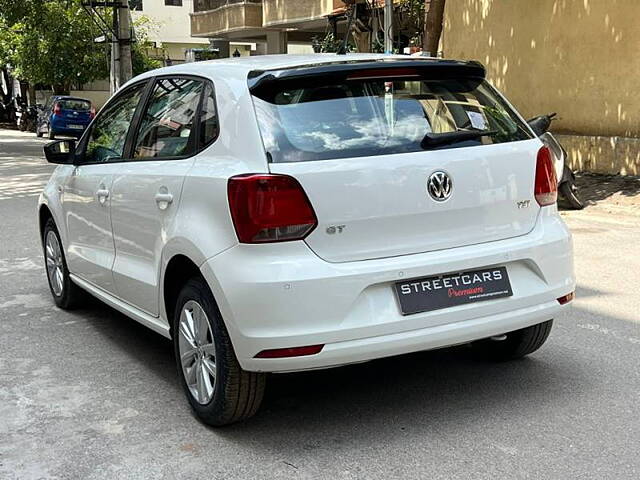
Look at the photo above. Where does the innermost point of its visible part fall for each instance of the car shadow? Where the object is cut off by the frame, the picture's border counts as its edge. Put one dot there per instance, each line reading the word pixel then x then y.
pixel 433 390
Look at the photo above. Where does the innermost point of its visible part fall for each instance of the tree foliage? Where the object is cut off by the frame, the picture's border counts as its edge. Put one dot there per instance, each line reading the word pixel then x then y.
pixel 140 59
pixel 51 43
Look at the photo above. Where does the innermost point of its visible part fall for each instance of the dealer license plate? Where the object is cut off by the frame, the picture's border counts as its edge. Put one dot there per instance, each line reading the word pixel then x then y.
pixel 443 291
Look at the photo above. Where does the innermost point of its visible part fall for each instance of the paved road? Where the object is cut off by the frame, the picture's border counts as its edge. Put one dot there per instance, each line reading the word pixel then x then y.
pixel 91 394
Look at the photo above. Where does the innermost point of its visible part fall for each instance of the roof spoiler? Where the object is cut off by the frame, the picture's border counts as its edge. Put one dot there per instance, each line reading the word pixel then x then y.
pixel 359 69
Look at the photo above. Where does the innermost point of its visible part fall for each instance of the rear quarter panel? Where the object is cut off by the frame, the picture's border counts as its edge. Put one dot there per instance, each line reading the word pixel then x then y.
pixel 203 227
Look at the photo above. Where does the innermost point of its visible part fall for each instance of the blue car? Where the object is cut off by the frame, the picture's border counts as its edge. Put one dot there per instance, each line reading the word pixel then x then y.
pixel 64 115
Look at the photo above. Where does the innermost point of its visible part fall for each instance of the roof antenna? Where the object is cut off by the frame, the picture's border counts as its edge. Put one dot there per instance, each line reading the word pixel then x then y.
pixel 343 48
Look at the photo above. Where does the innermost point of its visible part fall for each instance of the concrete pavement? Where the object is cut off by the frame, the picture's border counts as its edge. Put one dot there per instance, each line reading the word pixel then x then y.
pixel 91 394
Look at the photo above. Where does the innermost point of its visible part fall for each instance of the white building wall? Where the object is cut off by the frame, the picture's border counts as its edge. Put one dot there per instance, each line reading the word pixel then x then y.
pixel 172 23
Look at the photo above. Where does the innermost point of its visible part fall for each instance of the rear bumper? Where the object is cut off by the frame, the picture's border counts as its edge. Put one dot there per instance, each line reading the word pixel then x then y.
pixel 59 126
pixel 283 295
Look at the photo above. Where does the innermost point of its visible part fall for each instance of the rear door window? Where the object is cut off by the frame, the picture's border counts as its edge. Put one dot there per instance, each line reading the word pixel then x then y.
pixel 306 120
pixel 167 125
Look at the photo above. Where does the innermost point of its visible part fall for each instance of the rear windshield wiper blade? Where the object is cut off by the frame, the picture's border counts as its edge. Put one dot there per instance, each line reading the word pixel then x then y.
pixel 437 139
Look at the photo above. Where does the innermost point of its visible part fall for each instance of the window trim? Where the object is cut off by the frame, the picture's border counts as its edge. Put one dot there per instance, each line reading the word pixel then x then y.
pixel 133 131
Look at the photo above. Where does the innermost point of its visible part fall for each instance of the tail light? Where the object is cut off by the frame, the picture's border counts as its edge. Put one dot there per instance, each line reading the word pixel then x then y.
pixel 92 114
pixel 56 109
pixel 269 208
pixel 546 186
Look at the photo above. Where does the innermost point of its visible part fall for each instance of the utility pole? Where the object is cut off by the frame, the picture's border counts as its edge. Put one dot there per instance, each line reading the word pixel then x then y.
pixel 118 31
pixel 114 71
pixel 124 41
pixel 388 26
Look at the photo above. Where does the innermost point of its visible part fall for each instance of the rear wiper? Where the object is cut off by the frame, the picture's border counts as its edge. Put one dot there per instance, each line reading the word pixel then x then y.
pixel 437 139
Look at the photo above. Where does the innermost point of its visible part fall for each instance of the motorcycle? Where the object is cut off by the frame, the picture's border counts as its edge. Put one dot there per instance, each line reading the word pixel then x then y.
pixel 566 178
pixel 26 118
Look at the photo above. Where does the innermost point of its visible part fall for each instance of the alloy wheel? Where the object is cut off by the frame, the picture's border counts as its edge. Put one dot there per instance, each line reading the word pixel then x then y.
pixel 55 270
pixel 197 352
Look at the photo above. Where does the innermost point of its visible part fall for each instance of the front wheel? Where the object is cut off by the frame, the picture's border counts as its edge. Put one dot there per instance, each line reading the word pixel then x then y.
pixel 51 134
pixel 218 389
pixel 65 293
pixel 516 344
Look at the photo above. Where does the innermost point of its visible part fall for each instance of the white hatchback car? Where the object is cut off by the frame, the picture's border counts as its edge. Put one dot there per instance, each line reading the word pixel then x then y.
pixel 286 213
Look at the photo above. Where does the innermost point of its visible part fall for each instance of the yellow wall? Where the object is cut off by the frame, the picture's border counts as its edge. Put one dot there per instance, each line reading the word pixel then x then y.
pixel 580 58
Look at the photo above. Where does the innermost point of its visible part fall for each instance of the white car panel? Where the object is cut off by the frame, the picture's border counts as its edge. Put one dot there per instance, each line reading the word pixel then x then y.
pixel 86 199
pixel 384 210
pixel 145 200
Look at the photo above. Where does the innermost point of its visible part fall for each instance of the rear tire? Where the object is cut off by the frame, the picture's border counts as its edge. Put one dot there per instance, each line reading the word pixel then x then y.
pixel 569 191
pixel 51 134
pixel 66 294
pixel 38 132
pixel 201 339
pixel 518 343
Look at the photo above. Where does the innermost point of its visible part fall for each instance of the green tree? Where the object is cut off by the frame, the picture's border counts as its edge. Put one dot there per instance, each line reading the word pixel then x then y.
pixel 140 59
pixel 51 43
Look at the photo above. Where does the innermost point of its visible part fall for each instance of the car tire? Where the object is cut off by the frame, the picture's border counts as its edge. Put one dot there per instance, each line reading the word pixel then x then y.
pixel 203 342
pixel 517 344
pixel 66 294
pixel 38 132
pixel 51 134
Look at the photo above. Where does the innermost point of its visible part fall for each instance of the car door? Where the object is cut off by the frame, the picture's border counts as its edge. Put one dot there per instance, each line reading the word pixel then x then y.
pixel 87 192
pixel 147 188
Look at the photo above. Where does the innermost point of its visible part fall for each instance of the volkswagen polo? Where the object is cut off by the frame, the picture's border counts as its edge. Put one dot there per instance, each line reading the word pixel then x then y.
pixel 288 213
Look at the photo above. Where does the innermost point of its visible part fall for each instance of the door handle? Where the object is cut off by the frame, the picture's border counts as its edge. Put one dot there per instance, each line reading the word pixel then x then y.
pixel 163 200
pixel 102 195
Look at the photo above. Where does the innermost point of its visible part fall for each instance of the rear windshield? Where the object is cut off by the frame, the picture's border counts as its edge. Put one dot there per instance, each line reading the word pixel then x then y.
pixel 75 104
pixel 319 119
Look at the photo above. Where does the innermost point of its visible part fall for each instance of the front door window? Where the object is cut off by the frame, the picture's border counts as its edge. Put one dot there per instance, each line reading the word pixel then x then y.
pixel 109 131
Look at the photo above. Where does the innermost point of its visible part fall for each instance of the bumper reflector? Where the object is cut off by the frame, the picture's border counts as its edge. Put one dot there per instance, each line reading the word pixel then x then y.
pixel 567 298
pixel 290 352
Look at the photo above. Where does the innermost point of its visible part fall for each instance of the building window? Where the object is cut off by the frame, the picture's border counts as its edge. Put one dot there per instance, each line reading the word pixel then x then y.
pixel 173 3
pixel 135 5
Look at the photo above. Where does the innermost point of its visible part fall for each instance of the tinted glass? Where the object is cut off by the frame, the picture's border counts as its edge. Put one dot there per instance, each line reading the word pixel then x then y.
pixel 363 117
pixel 167 123
pixel 109 130
pixel 208 117
pixel 75 104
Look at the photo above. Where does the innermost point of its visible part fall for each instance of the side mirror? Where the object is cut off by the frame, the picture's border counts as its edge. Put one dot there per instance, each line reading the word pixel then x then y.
pixel 60 152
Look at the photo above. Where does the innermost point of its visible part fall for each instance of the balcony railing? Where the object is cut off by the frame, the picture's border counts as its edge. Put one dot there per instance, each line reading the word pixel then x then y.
pixel 205 5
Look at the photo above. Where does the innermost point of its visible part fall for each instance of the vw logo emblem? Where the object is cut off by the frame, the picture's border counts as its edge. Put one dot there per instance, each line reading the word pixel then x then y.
pixel 439 186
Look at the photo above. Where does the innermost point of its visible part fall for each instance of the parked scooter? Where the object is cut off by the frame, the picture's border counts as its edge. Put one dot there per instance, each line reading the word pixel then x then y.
pixel 566 178
pixel 26 118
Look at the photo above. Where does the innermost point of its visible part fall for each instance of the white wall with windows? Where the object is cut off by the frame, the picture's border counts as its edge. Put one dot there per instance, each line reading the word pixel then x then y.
pixel 170 28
